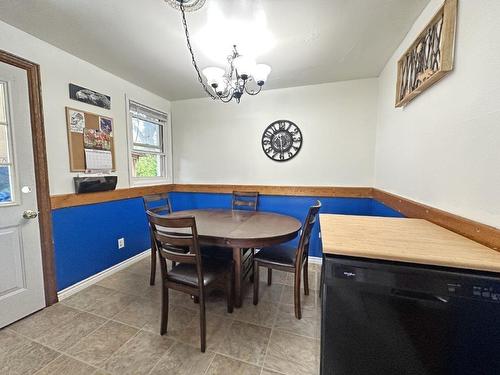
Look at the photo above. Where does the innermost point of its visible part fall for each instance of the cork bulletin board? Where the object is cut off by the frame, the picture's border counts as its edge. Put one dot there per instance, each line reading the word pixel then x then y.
pixel 79 122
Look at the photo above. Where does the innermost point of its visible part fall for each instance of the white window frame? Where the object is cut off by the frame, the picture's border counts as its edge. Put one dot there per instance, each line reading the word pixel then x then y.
pixel 166 155
pixel 14 183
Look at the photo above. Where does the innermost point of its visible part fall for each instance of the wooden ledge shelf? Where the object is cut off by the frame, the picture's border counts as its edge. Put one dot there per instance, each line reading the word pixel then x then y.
pixel 482 233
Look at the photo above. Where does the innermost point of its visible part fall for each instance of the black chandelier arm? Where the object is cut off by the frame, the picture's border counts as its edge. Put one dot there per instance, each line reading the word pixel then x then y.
pixel 227 100
pixel 227 97
pixel 253 92
pixel 188 42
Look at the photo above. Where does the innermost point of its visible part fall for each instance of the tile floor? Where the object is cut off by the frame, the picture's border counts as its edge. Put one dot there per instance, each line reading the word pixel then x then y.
pixel 112 327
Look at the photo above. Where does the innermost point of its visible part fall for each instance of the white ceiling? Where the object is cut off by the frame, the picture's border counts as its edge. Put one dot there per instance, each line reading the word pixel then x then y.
pixel 304 41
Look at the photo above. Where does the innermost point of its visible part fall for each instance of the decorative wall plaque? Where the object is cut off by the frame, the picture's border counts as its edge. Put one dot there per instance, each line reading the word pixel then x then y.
pixel 430 57
pixel 89 96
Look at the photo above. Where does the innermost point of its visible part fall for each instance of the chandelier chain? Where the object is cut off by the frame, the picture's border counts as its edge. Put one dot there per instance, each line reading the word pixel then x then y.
pixel 193 60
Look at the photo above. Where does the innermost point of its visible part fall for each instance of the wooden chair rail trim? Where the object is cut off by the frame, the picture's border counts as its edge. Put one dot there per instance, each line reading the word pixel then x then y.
pixel 312 191
pixel 70 200
pixel 482 233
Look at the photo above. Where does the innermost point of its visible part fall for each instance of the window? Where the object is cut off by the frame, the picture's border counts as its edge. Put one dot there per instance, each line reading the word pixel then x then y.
pixel 6 165
pixel 148 146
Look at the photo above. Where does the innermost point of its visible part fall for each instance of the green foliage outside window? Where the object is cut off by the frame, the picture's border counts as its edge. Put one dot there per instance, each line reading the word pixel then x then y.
pixel 147 166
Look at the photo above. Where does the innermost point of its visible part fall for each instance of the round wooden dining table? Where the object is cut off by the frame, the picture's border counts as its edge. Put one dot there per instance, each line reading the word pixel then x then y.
pixel 239 230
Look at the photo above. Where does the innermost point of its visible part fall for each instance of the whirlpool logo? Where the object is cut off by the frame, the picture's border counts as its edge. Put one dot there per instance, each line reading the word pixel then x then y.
pixel 345 273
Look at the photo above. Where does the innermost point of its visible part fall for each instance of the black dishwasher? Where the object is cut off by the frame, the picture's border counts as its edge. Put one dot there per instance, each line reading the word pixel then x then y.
pixel 391 318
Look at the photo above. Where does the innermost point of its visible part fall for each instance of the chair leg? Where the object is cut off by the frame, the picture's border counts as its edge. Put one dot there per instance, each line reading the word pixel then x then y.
pixel 164 310
pixel 256 283
pixel 252 273
pixel 153 266
pixel 296 295
pixel 306 278
pixel 269 276
pixel 203 324
pixel 229 290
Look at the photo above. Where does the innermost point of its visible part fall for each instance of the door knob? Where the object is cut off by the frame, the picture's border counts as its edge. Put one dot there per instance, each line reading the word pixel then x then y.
pixel 30 214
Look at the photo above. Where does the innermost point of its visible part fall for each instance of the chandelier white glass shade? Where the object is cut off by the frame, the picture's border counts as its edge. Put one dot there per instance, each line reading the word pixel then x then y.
pixel 242 74
pixel 214 75
pixel 244 65
pixel 261 72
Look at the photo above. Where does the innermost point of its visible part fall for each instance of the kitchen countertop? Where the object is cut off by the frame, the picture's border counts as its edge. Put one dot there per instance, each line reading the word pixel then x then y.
pixel 404 240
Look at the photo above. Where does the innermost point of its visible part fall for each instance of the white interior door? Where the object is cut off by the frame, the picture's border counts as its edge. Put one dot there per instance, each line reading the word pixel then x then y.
pixel 21 275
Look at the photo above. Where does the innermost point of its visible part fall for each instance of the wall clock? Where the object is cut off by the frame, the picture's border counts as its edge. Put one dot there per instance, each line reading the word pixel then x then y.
pixel 281 140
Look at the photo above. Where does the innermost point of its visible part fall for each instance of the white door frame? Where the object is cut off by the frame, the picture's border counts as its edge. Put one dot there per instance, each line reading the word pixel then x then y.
pixel 41 174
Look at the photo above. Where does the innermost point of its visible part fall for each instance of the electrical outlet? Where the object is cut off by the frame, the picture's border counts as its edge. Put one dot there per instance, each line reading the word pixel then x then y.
pixel 121 243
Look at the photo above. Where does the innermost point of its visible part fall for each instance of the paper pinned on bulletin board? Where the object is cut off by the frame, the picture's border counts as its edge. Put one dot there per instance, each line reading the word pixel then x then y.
pixel 98 159
pixel 97 145
pixel 76 121
pixel 106 125
pixel 96 140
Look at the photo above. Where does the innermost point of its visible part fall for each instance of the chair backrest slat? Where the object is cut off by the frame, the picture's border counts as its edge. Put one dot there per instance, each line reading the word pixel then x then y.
pixel 303 249
pixel 245 199
pixel 175 256
pixel 179 222
pixel 173 241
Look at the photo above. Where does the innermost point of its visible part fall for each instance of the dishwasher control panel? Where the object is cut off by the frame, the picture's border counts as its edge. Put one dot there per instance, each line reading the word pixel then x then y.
pixel 434 281
pixel 480 292
pixel 486 292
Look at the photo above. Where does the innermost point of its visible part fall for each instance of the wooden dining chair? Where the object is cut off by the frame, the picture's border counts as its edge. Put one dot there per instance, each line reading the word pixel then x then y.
pixel 192 274
pixel 288 259
pixel 160 205
pixel 242 200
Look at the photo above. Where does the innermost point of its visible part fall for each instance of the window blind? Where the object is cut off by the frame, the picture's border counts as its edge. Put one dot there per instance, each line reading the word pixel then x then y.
pixel 148 114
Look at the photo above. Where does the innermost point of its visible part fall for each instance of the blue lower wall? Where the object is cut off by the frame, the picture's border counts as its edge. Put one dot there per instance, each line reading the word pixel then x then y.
pixel 85 237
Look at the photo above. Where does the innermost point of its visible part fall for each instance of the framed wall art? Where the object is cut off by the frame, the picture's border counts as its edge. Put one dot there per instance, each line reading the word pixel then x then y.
pixel 430 57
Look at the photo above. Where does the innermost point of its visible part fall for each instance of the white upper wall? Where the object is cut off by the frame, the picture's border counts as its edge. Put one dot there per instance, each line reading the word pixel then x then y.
pixel 58 69
pixel 221 143
pixel 443 149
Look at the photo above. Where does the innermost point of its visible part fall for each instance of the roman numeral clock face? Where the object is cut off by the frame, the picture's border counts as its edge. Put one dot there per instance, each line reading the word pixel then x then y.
pixel 281 140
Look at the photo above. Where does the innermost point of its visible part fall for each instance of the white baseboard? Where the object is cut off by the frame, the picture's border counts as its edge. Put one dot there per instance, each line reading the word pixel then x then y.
pixel 65 293
pixel 316 260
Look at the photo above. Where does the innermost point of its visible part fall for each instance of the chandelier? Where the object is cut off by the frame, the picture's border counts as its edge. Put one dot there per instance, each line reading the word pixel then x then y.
pixel 242 74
